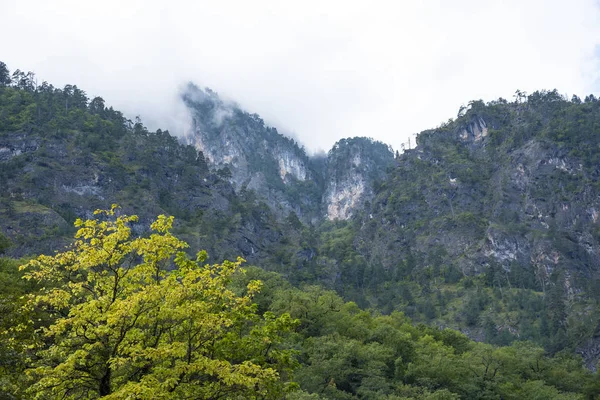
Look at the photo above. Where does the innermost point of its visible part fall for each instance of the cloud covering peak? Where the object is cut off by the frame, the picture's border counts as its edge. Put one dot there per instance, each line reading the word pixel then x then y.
pixel 320 70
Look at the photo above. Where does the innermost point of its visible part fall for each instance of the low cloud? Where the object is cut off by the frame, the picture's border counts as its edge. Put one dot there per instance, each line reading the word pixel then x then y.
pixel 323 70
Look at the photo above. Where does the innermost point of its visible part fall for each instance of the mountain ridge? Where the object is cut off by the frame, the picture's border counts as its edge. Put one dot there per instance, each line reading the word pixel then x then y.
pixel 277 167
pixel 488 226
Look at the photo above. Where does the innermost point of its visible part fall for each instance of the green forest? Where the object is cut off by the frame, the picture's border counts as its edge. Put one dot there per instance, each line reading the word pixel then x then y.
pixel 120 317
pixel 153 298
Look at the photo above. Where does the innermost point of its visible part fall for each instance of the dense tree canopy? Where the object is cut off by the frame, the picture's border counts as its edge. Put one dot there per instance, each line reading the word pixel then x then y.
pixel 121 317
pixel 136 318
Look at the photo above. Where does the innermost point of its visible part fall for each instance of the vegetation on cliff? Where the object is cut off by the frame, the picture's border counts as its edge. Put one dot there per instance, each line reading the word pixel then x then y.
pixel 116 316
pixel 489 227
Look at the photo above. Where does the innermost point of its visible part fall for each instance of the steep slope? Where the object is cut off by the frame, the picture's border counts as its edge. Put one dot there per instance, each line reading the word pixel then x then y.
pixel 255 156
pixel 354 167
pixel 506 198
pixel 252 155
pixel 62 156
pixel 505 184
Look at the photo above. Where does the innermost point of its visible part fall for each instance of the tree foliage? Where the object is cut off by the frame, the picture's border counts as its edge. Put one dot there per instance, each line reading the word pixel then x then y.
pixel 122 317
pixel 137 318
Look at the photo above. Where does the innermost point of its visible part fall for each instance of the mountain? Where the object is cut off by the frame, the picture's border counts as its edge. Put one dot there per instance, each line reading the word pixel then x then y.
pixel 259 158
pixel 489 226
pixel 62 156
pixel 514 186
pixel 506 196
pixel 354 168
pixel 506 184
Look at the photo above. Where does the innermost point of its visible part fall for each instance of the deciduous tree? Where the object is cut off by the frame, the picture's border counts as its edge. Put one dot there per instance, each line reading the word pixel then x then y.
pixel 136 318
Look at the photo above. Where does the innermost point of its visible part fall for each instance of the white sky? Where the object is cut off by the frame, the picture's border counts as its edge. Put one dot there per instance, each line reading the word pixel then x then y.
pixel 322 70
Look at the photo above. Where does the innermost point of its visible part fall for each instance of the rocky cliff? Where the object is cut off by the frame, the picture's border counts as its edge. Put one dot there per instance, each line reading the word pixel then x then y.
pixel 492 189
pixel 354 167
pixel 257 157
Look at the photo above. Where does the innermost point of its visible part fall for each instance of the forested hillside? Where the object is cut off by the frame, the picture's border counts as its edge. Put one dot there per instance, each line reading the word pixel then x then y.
pixel 504 200
pixel 464 268
pixel 117 316
pixel 63 155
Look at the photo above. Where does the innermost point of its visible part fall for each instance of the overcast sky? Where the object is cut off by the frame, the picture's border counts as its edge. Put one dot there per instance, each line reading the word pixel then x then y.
pixel 320 70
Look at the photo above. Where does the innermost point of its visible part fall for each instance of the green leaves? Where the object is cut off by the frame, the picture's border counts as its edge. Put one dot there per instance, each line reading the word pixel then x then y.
pixel 133 316
pixel 122 317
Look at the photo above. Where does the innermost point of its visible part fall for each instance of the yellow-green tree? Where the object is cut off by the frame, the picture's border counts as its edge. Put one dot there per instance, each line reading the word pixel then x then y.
pixel 135 318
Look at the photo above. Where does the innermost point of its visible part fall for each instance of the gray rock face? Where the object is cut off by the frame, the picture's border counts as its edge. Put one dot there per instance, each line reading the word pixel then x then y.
pixel 353 166
pixel 256 156
pixel 513 214
pixel 277 168
pixel 15 145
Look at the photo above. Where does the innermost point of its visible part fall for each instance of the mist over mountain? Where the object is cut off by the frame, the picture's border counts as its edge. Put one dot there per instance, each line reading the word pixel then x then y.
pixel 257 157
pixel 326 71
pixel 485 234
pixel 316 200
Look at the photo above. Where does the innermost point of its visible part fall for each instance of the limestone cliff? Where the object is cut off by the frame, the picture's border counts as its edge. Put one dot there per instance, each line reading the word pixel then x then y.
pixel 353 167
pixel 255 156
